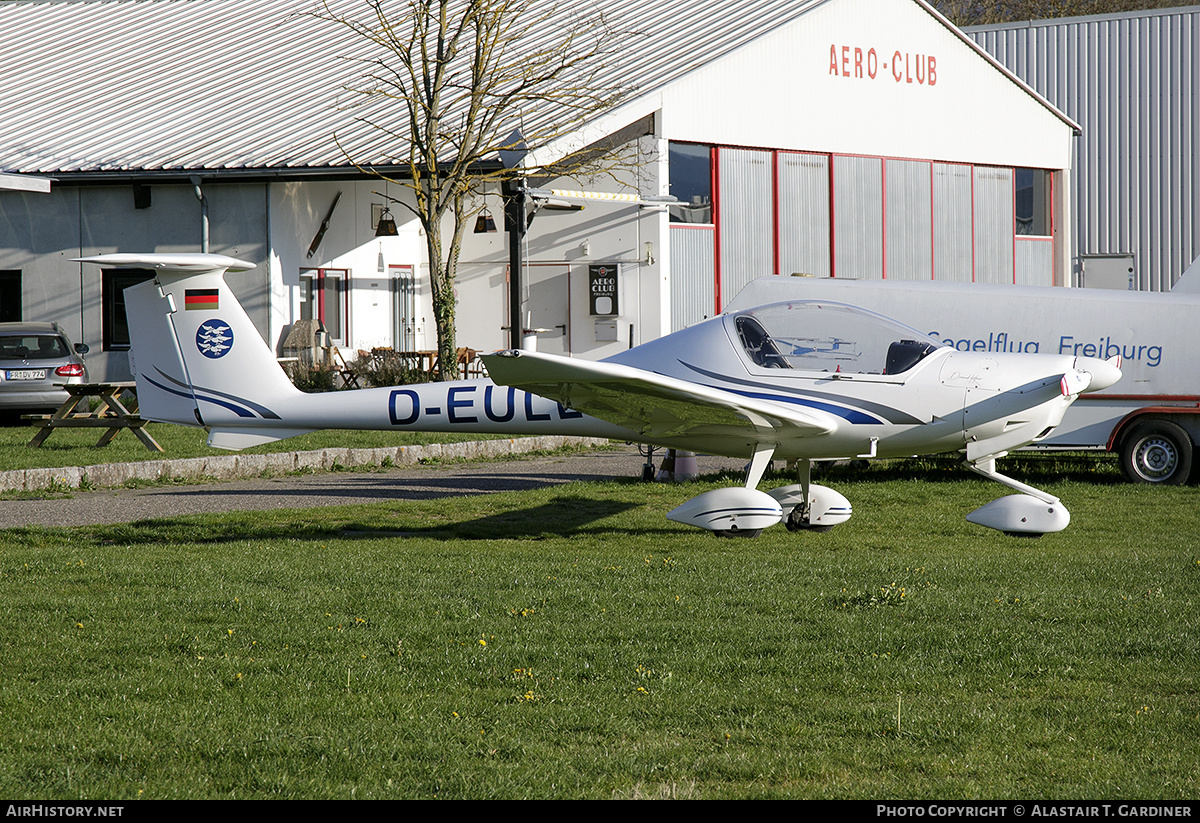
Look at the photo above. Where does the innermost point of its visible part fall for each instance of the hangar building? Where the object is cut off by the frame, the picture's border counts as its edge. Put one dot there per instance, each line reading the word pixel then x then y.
pixel 848 138
pixel 1132 82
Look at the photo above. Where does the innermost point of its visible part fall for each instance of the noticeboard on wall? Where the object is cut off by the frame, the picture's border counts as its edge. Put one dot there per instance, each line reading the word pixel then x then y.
pixel 603 289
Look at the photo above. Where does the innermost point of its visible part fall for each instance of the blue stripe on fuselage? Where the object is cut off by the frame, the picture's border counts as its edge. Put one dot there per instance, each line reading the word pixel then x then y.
pixel 888 413
pixel 853 416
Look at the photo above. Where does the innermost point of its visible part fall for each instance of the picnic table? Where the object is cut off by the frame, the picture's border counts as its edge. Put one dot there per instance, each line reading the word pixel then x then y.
pixel 112 413
pixel 426 362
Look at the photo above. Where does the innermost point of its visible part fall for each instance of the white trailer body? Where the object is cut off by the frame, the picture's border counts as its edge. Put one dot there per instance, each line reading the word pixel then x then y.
pixel 1151 417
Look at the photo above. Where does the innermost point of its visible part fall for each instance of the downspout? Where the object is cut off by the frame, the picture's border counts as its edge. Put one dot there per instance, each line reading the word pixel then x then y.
pixel 195 180
pixel 82 294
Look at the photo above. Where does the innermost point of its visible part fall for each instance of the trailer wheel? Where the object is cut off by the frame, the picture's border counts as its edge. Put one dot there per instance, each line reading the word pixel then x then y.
pixel 1157 452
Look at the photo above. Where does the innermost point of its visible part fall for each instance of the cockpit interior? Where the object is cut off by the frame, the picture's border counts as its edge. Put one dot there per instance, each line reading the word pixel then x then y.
pixel 828 337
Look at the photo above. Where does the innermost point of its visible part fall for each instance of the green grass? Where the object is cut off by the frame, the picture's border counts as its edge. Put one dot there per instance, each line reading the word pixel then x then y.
pixel 77 447
pixel 571 642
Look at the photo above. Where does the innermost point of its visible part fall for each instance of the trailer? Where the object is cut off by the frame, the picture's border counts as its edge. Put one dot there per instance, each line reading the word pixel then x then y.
pixel 1151 417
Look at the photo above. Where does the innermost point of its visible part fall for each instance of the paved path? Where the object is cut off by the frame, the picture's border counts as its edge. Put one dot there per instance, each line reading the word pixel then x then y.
pixel 331 489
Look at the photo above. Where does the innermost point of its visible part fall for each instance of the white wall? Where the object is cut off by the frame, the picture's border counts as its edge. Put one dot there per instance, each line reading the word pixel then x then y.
pixel 561 245
pixel 41 233
pixel 297 211
pixel 932 95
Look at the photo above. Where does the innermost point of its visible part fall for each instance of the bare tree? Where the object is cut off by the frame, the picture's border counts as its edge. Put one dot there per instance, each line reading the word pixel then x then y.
pixel 448 81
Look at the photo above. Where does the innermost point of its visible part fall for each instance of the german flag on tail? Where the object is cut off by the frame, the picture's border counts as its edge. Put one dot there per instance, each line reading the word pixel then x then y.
pixel 200 299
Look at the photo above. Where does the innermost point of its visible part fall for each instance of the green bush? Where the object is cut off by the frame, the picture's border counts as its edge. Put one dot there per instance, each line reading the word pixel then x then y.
pixel 315 378
pixel 384 367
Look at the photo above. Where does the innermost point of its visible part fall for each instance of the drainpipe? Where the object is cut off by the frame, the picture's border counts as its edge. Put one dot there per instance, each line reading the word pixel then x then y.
pixel 195 180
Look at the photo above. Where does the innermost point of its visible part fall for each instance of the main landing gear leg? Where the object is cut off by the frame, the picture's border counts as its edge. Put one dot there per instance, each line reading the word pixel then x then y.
pixel 648 466
pixel 798 518
pixel 758 466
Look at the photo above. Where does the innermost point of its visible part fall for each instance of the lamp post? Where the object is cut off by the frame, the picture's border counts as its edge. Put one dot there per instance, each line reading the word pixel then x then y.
pixel 512 189
pixel 515 224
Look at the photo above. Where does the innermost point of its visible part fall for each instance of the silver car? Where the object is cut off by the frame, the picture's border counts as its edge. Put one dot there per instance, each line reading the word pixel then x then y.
pixel 36 359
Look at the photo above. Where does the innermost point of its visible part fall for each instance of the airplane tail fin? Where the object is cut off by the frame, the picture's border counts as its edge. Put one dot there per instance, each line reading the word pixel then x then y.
pixel 196 356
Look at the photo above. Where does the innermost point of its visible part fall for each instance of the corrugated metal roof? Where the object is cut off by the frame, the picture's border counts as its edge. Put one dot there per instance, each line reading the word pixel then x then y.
pixel 94 86
pixel 111 85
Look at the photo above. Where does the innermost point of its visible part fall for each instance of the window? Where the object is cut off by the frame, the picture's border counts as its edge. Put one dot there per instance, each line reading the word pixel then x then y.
pixel 323 297
pixel 308 305
pixel 1032 189
pixel 115 336
pixel 691 182
pixel 408 327
pixel 10 296
pixel 33 347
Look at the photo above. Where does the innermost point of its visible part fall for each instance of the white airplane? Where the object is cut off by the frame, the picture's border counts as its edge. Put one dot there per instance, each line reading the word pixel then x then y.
pixel 800 381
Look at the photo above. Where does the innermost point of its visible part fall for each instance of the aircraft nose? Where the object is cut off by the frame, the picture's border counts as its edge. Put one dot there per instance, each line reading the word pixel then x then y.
pixel 1104 373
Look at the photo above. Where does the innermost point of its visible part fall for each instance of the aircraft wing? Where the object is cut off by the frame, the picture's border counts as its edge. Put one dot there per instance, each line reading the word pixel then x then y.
pixel 651 404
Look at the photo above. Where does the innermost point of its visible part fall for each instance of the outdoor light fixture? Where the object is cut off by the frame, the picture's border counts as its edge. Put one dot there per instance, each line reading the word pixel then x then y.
pixel 484 224
pixel 387 225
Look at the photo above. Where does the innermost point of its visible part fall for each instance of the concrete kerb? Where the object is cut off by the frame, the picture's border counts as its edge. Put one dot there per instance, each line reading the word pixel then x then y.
pixel 233 466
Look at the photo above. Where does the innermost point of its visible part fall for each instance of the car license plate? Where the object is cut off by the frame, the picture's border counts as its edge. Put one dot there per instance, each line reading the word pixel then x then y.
pixel 27 374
